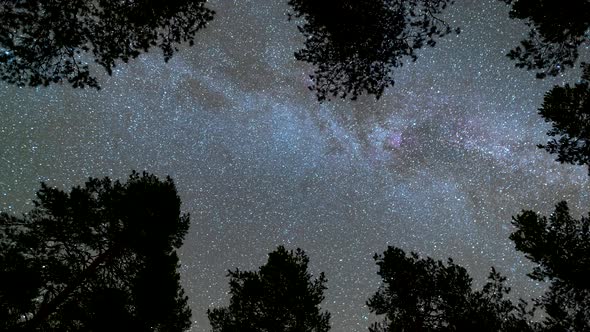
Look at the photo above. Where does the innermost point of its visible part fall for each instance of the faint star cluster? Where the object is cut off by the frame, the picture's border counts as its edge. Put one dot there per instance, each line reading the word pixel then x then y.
pixel 438 165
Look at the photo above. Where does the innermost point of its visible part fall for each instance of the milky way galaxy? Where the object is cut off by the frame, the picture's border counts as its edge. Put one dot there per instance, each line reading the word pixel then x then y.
pixel 437 165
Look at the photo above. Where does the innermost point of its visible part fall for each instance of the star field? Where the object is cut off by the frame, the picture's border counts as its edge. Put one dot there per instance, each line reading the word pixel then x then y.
pixel 438 165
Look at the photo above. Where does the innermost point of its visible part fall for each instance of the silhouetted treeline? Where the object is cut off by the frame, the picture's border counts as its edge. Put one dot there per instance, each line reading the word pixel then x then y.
pixel 102 257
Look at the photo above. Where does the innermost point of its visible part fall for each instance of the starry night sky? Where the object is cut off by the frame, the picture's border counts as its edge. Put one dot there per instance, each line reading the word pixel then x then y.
pixel 438 165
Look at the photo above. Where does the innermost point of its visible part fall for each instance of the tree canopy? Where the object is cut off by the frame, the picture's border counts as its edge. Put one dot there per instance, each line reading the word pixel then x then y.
pixel 99 258
pixel 557 31
pixel 560 248
pixel 51 41
pixel 421 294
pixel 567 108
pixel 355 45
pixel 280 297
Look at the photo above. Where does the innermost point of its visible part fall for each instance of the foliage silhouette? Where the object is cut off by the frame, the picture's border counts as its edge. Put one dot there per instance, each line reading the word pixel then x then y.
pixel 281 296
pixel 558 30
pixel 99 258
pixel 44 42
pixel 568 110
pixel 559 245
pixel 356 44
pixel 560 248
pixel 421 294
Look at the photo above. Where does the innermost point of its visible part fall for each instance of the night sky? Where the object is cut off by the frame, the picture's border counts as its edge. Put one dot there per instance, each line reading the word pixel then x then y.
pixel 438 165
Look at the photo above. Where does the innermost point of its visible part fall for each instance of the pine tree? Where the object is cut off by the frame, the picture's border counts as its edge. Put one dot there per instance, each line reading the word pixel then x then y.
pixel 99 258
pixel 280 297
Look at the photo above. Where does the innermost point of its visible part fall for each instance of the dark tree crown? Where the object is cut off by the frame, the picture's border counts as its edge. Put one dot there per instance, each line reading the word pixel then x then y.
pixel 558 30
pixel 355 45
pixel 99 258
pixel 560 248
pixel 421 294
pixel 567 108
pixel 280 297
pixel 52 41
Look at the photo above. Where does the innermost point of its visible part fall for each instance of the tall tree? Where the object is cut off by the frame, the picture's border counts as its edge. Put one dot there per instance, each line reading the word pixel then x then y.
pixel 280 297
pixel 99 258
pixel 355 45
pixel 421 294
pixel 560 248
pixel 51 41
